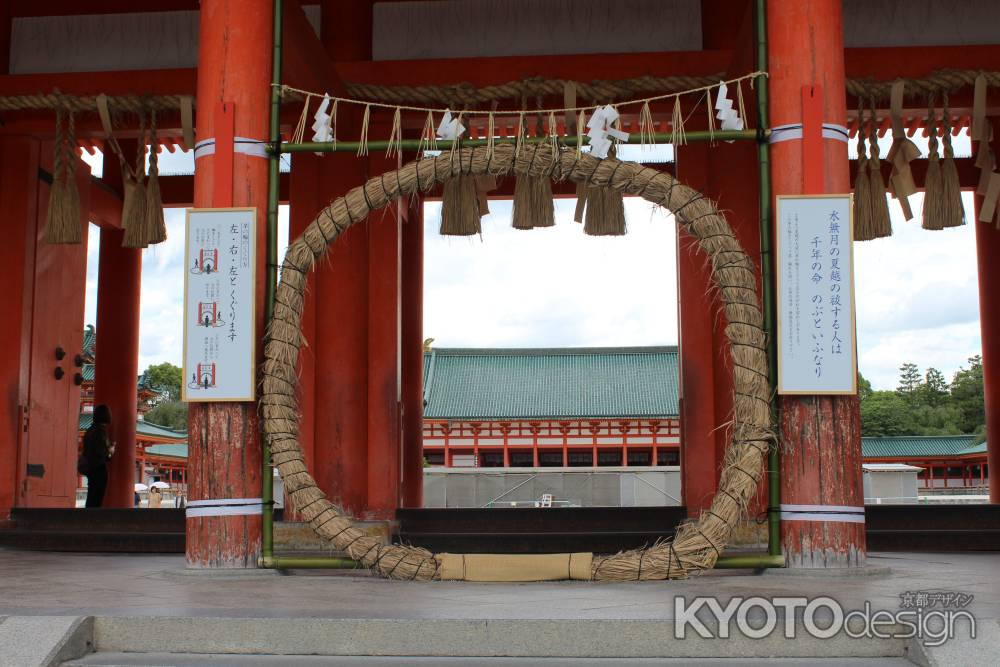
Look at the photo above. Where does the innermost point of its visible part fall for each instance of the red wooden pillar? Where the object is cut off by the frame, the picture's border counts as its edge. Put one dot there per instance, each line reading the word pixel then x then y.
pixel 306 199
pixel 412 296
pixel 988 256
pixel 384 352
pixel 821 435
pixel 19 158
pixel 341 341
pixel 699 456
pixel 234 68
pixel 119 279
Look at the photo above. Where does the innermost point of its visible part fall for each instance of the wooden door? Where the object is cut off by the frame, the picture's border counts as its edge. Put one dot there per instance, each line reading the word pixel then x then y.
pixel 49 446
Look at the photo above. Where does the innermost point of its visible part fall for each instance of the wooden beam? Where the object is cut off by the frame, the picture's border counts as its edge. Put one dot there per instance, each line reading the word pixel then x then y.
pixel 494 70
pixel 178 191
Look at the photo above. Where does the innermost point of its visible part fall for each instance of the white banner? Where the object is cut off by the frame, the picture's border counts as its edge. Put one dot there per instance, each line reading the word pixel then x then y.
pixel 815 269
pixel 219 280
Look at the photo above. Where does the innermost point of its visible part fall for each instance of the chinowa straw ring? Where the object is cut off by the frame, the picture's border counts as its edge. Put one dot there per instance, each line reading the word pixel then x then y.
pixel 696 544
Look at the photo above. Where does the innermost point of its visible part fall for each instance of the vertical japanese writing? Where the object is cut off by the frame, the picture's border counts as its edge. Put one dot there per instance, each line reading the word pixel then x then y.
pixel 836 342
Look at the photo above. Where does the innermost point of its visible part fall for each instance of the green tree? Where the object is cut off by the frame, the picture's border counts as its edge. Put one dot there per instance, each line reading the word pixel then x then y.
pixel 864 387
pixel 165 377
pixel 909 380
pixel 968 395
pixel 934 390
pixel 172 414
pixel 885 413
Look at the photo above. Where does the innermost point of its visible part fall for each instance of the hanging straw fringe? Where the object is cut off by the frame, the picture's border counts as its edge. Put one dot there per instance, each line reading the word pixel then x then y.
pixel 646 128
pixel 156 228
pixel 490 131
pixel 300 128
pixel 63 219
pixel 134 206
pixel 710 108
pixel 363 139
pixel 395 135
pixel 428 138
pixel 952 211
pixel 677 136
pixel 863 230
pixel 521 131
pixel 881 225
pixel 932 215
pixel 605 207
pixel 533 205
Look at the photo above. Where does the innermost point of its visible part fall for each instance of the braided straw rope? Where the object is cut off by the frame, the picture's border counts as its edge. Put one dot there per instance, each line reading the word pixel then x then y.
pixel 79 103
pixel 697 544
pixel 466 95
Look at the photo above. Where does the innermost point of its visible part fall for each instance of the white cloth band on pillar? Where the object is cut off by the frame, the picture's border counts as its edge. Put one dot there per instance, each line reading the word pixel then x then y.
pixel 224 507
pixel 794 131
pixel 827 513
pixel 251 147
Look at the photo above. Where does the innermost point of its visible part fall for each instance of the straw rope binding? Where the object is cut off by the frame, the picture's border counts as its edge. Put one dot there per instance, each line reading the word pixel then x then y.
pixel 697 544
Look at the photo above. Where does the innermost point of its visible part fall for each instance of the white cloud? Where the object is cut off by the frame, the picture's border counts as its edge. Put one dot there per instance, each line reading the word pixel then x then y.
pixel 551 287
pixel 917 297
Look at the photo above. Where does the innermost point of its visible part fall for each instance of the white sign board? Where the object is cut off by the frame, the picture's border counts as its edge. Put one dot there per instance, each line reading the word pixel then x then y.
pixel 219 284
pixel 816 343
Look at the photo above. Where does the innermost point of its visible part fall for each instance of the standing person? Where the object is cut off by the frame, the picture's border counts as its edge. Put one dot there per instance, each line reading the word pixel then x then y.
pixel 155 498
pixel 97 451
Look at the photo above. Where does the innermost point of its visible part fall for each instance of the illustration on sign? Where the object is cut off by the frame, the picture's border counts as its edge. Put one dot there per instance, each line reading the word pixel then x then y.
pixel 816 346
pixel 219 305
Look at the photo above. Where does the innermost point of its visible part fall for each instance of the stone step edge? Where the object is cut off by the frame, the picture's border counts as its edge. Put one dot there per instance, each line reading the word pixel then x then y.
pixel 638 638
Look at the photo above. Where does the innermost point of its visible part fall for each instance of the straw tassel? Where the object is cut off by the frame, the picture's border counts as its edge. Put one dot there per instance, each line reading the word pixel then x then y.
pixel 677 136
pixel 862 187
pixel 953 213
pixel 395 135
pixel 156 228
pixel 460 207
pixel 881 225
pixel 363 139
pixel 932 215
pixel 63 219
pixel 428 138
pixel 605 210
pixel 134 205
pixel 646 128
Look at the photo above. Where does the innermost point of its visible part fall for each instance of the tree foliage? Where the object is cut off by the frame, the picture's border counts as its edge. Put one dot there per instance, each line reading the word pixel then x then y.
pixel 167 378
pixel 926 404
pixel 172 414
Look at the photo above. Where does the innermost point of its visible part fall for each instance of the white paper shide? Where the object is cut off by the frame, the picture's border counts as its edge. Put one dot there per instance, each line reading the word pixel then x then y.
pixel 219 305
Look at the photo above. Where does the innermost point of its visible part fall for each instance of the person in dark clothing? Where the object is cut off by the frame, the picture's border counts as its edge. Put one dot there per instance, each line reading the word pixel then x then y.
pixel 97 451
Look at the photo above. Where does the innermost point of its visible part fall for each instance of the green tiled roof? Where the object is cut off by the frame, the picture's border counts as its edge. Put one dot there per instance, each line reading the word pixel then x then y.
pixel 141 428
pixel 550 383
pixel 920 445
pixel 89 340
pixel 180 451
pixel 88 372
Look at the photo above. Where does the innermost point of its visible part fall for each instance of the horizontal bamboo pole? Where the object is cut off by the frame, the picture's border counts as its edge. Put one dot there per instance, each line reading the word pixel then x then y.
pixel 738 562
pixel 415 144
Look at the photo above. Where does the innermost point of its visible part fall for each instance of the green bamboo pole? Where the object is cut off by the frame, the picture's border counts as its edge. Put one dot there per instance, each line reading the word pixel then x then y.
pixel 309 563
pixel 767 281
pixel 274 164
pixel 415 144
pixel 749 561
pixel 737 562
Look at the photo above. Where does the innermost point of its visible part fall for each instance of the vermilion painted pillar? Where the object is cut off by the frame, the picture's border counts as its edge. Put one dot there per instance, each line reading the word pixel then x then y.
pixel 412 296
pixel 341 348
pixel 234 67
pixel 699 460
pixel 119 278
pixel 19 158
pixel 385 424
pixel 821 435
pixel 306 199
pixel 988 255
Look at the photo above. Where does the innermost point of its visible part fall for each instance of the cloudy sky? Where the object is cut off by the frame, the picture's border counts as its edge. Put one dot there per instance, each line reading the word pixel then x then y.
pixel 916 292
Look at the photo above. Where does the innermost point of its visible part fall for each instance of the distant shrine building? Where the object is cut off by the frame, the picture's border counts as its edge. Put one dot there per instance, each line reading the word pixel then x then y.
pixel 566 407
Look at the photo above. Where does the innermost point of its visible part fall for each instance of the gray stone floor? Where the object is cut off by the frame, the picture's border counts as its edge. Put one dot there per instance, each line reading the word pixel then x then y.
pixel 137 585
